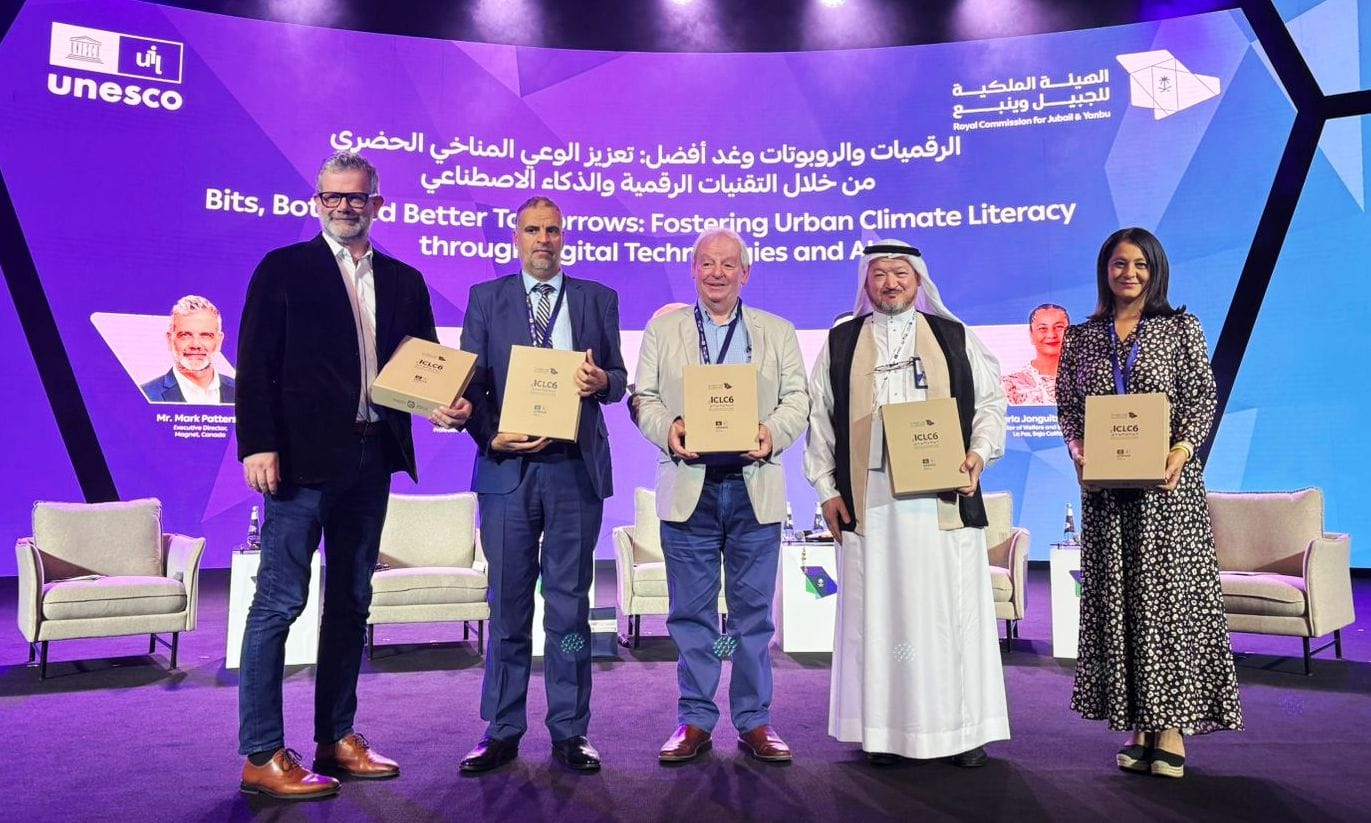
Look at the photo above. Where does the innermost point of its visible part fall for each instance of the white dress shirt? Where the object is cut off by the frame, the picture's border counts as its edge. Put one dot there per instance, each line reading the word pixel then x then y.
pixel 192 392
pixel 561 327
pixel 361 287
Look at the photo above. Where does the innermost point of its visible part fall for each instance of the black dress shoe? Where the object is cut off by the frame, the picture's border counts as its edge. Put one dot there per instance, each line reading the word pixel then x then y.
pixel 488 754
pixel 970 760
pixel 883 759
pixel 577 753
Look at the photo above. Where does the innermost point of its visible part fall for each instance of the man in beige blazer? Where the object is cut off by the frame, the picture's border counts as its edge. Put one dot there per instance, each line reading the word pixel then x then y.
pixel 721 508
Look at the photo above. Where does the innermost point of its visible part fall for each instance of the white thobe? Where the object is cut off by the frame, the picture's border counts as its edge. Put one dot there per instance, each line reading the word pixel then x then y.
pixel 916 661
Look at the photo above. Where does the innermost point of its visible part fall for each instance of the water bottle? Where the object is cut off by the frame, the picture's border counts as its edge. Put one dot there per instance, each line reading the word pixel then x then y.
pixel 254 540
pixel 1069 528
pixel 820 525
pixel 788 530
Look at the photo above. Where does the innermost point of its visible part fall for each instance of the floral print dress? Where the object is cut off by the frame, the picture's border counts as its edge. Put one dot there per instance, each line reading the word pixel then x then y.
pixel 1154 650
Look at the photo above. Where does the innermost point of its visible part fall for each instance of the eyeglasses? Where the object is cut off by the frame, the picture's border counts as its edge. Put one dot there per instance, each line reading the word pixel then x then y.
pixel 899 365
pixel 356 199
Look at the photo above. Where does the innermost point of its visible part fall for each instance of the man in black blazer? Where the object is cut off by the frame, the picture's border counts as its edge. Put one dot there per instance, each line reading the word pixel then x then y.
pixel 321 318
pixel 541 502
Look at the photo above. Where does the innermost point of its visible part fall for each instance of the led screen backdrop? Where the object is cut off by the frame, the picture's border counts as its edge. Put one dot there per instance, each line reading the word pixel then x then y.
pixel 155 153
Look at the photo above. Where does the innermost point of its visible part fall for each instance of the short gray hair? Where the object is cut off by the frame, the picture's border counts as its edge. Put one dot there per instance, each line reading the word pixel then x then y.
pixel 720 231
pixel 192 303
pixel 535 200
pixel 348 161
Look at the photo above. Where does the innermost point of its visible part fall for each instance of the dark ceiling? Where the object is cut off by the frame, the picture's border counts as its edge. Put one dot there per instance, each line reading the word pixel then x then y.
pixel 707 25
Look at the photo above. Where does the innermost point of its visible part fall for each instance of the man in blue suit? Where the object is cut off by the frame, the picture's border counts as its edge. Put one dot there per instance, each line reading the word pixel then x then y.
pixel 194 337
pixel 531 490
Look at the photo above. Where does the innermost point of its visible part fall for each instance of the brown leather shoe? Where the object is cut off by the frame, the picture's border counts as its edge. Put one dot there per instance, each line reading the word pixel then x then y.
pixel 687 743
pixel 353 756
pixel 283 777
pixel 764 744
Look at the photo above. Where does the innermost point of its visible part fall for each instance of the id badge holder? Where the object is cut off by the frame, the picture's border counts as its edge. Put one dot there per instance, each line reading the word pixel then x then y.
pixel 920 377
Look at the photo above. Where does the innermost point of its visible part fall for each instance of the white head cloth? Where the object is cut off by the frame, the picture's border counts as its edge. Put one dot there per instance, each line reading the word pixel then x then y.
pixel 928 300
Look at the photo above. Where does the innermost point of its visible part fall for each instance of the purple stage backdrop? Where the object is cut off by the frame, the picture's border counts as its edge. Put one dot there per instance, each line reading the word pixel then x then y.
pixel 153 153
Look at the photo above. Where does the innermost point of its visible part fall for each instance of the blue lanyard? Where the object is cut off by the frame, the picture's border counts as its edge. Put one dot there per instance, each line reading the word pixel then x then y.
pixel 546 341
pixel 1122 373
pixel 728 337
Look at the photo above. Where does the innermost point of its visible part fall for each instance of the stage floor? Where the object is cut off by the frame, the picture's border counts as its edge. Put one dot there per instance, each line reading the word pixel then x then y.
pixel 111 734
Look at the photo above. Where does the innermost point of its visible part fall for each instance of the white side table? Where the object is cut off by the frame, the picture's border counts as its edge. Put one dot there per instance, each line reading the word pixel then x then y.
pixel 302 644
pixel 1066 599
pixel 804 617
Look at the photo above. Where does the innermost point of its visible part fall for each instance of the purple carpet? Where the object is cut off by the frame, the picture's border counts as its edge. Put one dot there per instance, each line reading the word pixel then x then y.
pixel 112 735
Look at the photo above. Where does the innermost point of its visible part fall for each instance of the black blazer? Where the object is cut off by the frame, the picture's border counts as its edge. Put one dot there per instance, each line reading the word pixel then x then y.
pixel 299 368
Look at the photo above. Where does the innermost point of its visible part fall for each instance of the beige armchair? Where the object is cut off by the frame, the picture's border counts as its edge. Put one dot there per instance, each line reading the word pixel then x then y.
pixel 641 568
pixel 431 569
pixel 105 570
pixel 1008 546
pixel 1281 572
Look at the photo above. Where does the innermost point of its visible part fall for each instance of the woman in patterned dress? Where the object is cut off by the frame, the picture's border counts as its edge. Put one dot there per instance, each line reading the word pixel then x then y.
pixel 1154 654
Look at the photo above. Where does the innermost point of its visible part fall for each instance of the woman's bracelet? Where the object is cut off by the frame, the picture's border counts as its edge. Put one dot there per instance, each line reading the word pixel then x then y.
pixel 1189 450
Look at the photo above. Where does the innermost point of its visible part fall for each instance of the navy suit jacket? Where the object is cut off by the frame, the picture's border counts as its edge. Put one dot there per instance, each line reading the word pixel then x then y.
pixel 497 318
pixel 165 389
pixel 299 367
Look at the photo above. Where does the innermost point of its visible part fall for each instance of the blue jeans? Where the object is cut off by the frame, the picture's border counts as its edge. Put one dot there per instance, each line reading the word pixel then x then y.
pixel 348 514
pixel 722 527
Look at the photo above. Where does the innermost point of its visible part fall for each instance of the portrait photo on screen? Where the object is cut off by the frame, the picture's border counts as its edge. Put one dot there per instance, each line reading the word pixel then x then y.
pixel 181 361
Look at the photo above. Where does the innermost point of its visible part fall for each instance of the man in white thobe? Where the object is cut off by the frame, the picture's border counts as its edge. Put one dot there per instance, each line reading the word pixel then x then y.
pixel 916 662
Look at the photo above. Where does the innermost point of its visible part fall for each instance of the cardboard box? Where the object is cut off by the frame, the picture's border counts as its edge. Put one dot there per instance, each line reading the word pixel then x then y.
pixel 1126 439
pixel 721 408
pixel 923 446
pixel 422 376
pixel 540 396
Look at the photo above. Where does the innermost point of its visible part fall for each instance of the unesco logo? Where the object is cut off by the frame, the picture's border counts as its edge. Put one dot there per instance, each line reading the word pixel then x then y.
pixel 97 51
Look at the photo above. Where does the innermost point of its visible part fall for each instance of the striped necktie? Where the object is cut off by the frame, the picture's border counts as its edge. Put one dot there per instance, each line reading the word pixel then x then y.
pixel 542 313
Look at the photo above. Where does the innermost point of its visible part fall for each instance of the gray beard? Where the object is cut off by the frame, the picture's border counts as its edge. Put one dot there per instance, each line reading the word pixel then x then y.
pixel 359 232
pixel 185 364
pixel 891 308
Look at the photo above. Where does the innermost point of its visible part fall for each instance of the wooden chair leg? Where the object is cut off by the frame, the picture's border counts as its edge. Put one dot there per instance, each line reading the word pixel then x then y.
pixel 371 641
pixel 1337 643
pixel 33 653
pixel 43 660
pixel 466 630
pixel 175 647
pixel 152 644
pixel 1305 641
pixel 480 637
pixel 637 630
